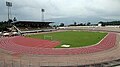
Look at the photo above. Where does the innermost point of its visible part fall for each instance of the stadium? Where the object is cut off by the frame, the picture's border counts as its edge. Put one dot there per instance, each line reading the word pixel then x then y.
pixel 38 44
pixel 38 49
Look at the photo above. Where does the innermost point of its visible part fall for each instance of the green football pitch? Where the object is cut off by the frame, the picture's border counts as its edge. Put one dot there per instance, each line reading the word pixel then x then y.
pixel 72 38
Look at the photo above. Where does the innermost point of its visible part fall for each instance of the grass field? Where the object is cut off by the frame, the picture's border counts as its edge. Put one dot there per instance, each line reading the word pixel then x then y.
pixel 72 38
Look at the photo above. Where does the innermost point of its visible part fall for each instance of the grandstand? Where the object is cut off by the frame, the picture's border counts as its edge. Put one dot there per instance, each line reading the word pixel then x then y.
pixel 31 25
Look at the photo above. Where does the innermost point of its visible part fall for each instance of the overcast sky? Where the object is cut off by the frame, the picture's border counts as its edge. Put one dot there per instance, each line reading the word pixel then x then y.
pixel 31 9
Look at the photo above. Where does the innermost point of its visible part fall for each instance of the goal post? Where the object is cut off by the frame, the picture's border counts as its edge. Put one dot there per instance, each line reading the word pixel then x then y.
pixel 47 37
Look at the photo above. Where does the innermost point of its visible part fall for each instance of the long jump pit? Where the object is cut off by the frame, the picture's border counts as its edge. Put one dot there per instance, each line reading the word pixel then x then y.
pixel 20 51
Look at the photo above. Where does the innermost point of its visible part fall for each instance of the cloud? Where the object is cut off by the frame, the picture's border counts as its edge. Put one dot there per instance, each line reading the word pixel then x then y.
pixel 31 9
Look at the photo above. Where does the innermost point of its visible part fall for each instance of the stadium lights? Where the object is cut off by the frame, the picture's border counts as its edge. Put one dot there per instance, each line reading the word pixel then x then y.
pixel 8 4
pixel 42 10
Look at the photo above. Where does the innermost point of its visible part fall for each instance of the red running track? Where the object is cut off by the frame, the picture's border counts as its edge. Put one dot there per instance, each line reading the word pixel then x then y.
pixel 19 45
pixel 31 42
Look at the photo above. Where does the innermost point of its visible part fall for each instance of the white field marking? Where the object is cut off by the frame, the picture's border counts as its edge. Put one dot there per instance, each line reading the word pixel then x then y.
pixel 103 38
pixel 65 45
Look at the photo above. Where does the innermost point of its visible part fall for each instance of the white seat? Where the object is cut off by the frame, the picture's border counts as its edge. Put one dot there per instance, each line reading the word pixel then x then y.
pixel 6 34
pixel 14 33
pixel 0 32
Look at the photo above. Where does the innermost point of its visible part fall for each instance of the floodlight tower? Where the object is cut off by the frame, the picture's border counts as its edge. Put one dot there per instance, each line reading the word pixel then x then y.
pixel 42 10
pixel 9 4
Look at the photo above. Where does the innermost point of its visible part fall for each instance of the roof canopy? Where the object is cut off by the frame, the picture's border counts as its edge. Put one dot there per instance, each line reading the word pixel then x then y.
pixel 30 22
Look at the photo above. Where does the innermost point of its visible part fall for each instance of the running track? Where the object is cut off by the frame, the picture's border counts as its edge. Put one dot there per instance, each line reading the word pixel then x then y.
pixel 19 45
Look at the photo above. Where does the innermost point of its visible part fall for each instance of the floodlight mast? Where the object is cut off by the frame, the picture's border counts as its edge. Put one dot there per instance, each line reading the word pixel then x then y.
pixel 8 13
pixel 42 10
pixel 9 4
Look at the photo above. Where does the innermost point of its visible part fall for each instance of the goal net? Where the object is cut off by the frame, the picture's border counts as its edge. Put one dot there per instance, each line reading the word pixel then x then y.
pixel 47 37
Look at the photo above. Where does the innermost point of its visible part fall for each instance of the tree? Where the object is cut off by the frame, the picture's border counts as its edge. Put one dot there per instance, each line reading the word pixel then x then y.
pixel 88 24
pixel 14 19
pixel 75 23
pixel 61 24
pixel 84 24
pixel 81 24
pixel 102 23
pixel 10 20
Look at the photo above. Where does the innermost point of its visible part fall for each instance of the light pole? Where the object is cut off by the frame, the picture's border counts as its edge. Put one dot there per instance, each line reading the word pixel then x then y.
pixel 9 4
pixel 42 10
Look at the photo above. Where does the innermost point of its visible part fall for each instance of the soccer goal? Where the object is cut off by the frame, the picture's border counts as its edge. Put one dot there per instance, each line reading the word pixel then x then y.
pixel 47 37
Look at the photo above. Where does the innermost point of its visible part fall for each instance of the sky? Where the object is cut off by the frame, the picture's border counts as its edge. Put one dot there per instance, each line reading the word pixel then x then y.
pixel 66 11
